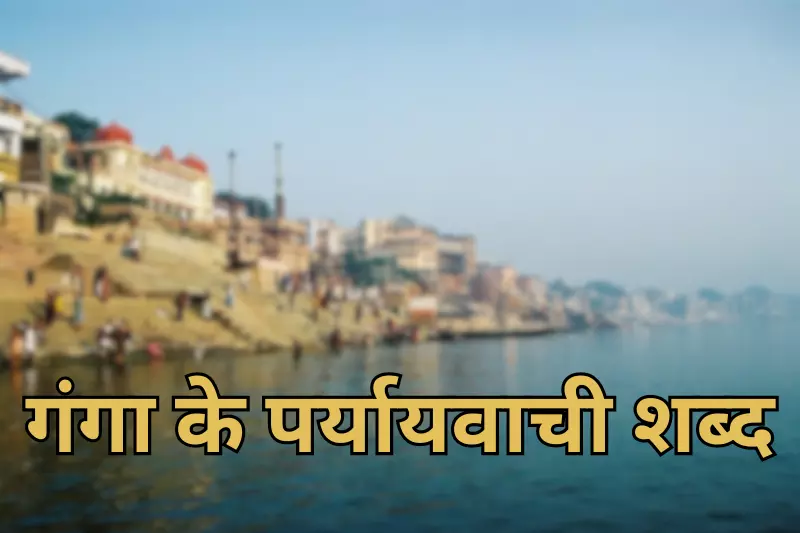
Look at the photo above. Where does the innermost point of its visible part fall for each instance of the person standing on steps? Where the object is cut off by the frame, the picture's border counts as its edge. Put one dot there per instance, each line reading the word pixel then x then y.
pixel 105 341
pixel 122 341
pixel 181 299
pixel 15 346
pixel 49 307
pixel 30 343
pixel 229 296
pixel 77 310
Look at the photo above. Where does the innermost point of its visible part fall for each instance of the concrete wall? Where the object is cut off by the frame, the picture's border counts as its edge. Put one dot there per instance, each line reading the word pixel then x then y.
pixel 193 250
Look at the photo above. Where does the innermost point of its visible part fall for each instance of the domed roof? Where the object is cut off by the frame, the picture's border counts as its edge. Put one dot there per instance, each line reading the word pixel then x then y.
pixel 192 161
pixel 166 153
pixel 114 132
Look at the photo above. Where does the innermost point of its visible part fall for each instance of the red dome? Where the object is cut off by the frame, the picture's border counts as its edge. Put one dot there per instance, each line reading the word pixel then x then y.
pixel 114 132
pixel 166 153
pixel 192 161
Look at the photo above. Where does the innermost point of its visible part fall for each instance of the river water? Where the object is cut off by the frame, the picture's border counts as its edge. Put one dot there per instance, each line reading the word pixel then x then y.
pixel 266 487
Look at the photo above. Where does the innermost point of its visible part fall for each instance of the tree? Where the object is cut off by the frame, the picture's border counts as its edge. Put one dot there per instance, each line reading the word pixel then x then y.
pixel 256 207
pixel 81 128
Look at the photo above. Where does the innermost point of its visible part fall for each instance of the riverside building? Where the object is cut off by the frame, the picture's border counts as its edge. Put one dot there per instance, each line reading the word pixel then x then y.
pixel 112 163
pixel 12 124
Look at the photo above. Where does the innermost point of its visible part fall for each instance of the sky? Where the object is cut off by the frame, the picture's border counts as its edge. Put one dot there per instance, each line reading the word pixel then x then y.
pixel 648 143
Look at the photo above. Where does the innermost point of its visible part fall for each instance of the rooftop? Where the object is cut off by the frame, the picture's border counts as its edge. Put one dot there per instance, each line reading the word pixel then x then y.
pixel 12 68
pixel 10 107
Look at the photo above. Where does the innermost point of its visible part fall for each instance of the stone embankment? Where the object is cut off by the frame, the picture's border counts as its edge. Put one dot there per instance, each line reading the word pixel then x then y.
pixel 143 294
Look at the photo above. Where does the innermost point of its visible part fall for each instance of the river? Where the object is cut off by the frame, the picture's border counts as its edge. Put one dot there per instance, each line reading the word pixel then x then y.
pixel 266 487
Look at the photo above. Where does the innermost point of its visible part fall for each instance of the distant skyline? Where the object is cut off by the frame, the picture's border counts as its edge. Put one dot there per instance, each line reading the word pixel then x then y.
pixel 646 143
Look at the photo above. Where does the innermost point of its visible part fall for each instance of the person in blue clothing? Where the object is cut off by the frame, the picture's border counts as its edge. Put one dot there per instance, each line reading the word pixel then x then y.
pixel 77 311
pixel 229 295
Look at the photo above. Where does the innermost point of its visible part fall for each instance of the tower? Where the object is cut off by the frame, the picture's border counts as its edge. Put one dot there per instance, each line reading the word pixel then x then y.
pixel 233 219
pixel 280 201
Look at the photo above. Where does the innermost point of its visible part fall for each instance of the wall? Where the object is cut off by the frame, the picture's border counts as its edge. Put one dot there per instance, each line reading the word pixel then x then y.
pixel 193 250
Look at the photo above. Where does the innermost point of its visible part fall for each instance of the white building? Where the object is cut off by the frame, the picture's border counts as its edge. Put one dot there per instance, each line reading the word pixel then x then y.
pixel 223 207
pixel 326 237
pixel 12 123
pixel 180 188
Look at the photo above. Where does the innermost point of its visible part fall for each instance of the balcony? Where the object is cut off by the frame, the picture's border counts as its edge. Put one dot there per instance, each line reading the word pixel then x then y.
pixel 12 67
pixel 9 107
pixel 11 117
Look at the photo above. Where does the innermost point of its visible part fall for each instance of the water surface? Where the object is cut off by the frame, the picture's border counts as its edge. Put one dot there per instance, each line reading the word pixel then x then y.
pixel 266 487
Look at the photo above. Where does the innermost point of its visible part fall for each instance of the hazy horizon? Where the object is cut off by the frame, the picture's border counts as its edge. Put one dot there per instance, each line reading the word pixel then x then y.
pixel 647 144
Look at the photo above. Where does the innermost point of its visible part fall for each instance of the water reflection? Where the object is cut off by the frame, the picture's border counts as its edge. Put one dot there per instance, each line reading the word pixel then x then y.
pixel 510 365
pixel 267 487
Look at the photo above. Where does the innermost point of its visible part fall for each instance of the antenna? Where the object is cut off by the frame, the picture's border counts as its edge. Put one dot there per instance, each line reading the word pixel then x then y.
pixel 278 169
pixel 233 220
pixel 279 198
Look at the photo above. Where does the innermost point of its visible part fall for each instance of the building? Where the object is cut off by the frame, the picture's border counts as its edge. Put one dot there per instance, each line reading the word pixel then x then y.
pixel 415 248
pixel 286 241
pixel 535 290
pixel 274 245
pixel 413 245
pixel 445 261
pixel 44 149
pixel 326 238
pixel 491 282
pixel 246 241
pixel 457 258
pixel 223 207
pixel 457 254
pixel 113 164
pixel 12 123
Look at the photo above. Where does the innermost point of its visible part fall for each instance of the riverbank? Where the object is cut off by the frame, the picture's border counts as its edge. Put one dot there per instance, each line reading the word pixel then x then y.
pixel 142 294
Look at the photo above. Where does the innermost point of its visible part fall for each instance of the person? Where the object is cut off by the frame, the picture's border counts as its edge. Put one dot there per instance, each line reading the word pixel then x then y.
pixel 335 340
pixel 180 305
pixel 229 295
pixel 58 305
pixel 49 307
pixel 206 310
pixel 105 287
pixel 133 248
pixel 15 345
pixel 199 351
pixel 30 277
pixel 30 343
pixel 77 310
pixel 155 351
pixel 297 349
pixel 122 338
pixel 325 300
pixel 77 280
pixel 105 341
pixel 97 282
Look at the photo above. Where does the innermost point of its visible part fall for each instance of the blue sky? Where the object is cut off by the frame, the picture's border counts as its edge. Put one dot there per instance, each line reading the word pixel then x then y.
pixel 650 143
